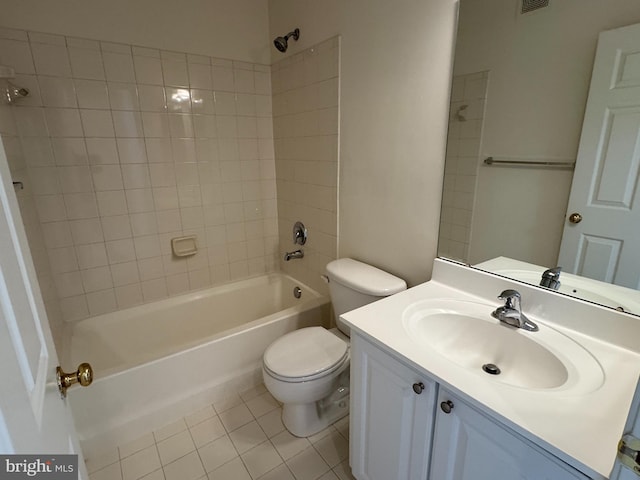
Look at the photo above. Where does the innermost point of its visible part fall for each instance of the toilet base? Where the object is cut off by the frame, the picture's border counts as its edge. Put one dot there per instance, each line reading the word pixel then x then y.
pixel 306 419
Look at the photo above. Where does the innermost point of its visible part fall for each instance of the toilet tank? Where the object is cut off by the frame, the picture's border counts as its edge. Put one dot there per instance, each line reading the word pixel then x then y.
pixel 353 284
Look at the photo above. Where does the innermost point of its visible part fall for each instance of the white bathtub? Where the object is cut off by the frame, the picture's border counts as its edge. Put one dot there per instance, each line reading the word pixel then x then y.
pixel 155 363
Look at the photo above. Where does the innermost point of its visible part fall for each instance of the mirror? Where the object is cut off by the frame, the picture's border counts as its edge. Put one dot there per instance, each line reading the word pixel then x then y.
pixel 519 91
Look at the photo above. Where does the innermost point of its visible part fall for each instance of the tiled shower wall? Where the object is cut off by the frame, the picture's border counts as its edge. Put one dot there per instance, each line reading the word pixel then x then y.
pixel 305 123
pixel 121 149
pixel 468 97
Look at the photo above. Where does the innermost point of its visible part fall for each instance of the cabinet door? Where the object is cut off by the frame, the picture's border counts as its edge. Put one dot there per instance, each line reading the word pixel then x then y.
pixel 391 424
pixel 468 445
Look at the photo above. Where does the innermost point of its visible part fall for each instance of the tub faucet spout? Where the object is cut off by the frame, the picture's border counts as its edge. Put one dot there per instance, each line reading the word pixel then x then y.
pixel 291 255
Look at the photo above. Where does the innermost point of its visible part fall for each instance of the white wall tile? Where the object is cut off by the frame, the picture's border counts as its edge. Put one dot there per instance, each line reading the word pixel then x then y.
pixel 125 273
pixel 57 92
pixel 96 279
pixel 139 200
pixel 97 123
pixel 127 124
pixel 30 122
pixel 86 63
pixel 101 302
pixel 112 203
pixel 118 67
pixel 175 72
pixel 152 98
pixel 123 96
pixel 116 227
pixel 102 151
pixel 93 255
pixel 51 60
pixel 132 150
pixel 222 79
pixel 63 122
pixel 119 251
pixel 129 295
pixel 17 54
pixel 148 70
pixel 107 177
pixel 69 151
pixel 86 231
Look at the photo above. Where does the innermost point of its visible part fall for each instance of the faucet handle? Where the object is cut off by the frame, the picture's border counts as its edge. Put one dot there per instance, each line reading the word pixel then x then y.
pixel 509 296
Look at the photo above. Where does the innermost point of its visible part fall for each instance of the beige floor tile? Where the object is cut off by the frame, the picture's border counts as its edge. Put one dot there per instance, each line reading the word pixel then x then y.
pixel 262 404
pixel 188 467
pixel 157 475
pixel 217 453
pixel 261 459
pixel 329 476
pixel 136 445
pixel 247 437
pixel 175 447
pixel 226 401
pixel 333 449
pixel 169 430
pixel 233 470
pixel 200 416
pixel 343 471
pixel 271 423
pixel 98 462
pixel 281 472
pixel 308 465
pixel 111 472
pixel 140 463
pixel 289 445
pixel 207 431
pixel 252 392
pixel 236 417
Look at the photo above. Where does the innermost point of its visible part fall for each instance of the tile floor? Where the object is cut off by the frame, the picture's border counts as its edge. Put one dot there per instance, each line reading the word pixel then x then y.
pixel 238 438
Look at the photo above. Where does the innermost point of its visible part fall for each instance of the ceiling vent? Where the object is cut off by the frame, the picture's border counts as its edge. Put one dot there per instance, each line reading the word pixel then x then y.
pixel 531 5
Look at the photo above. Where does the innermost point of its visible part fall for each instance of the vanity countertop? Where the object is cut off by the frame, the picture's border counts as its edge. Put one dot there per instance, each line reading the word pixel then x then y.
pixel 582 429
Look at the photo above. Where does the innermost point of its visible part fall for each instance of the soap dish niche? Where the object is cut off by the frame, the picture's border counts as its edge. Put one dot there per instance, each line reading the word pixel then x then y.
pixel 184 246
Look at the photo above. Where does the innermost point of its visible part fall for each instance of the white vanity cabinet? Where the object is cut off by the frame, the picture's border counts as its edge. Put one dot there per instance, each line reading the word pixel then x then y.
pixel 468 445
pixel 391 425
pixel 398 433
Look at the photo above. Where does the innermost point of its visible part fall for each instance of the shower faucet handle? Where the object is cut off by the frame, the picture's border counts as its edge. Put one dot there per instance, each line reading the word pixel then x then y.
pixel 299 234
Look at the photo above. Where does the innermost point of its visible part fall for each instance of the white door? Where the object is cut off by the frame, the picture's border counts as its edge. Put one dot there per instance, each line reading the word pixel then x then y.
pixel 605 244
pixel 632 444
pixel 34 419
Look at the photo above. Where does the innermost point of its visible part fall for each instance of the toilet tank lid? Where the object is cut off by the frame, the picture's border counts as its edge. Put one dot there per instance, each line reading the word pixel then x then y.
pixel 364 278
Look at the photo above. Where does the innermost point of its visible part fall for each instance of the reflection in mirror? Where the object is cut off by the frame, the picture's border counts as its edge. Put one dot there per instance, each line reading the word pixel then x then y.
pixel 519 95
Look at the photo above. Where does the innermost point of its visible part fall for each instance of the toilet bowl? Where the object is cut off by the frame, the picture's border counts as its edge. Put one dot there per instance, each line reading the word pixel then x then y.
pixel 307 370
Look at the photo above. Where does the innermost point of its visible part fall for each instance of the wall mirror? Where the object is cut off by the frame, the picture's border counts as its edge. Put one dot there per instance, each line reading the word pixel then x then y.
pixel 519 162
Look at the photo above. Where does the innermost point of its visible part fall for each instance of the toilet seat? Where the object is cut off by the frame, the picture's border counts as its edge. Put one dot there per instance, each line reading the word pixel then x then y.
pixel 305 354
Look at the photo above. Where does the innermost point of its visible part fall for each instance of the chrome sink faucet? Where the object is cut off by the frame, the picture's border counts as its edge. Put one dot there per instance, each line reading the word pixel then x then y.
pixel 511 312
pixel 551 278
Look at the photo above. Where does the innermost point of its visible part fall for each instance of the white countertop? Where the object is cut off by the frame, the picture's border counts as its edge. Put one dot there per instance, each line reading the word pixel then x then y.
pixel 581 429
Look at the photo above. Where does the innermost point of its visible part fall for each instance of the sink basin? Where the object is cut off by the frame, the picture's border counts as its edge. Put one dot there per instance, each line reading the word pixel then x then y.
pixel 466 334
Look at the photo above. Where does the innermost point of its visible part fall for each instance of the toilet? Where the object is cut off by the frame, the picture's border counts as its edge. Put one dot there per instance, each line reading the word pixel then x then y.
pixel 307 370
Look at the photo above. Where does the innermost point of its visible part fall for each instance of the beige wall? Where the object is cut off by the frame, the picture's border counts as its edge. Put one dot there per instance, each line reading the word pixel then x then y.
pixel 394 94
pixel 540 67
pixel 236 29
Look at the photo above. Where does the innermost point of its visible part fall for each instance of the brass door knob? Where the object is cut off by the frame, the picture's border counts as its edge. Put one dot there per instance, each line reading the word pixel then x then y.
pixel 83 376
pixel 575 218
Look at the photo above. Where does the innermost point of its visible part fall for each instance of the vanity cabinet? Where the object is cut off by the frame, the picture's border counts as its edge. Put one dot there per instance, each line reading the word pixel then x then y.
pixel 469 445
pixel 404 426
pixel 391 426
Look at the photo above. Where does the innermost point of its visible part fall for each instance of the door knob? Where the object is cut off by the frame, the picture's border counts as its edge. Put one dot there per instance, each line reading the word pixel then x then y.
pixel 83 376
pixel 575 218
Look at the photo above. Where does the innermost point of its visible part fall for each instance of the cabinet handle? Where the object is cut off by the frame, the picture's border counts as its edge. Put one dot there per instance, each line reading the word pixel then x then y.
pixel 418 388
pixel 447 406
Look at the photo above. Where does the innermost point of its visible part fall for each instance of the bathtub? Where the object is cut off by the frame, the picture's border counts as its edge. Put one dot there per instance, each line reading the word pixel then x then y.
pixel 157 362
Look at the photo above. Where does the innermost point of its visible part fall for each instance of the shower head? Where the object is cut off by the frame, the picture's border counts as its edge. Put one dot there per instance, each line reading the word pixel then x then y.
pixel 9 91
pixel 281 42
